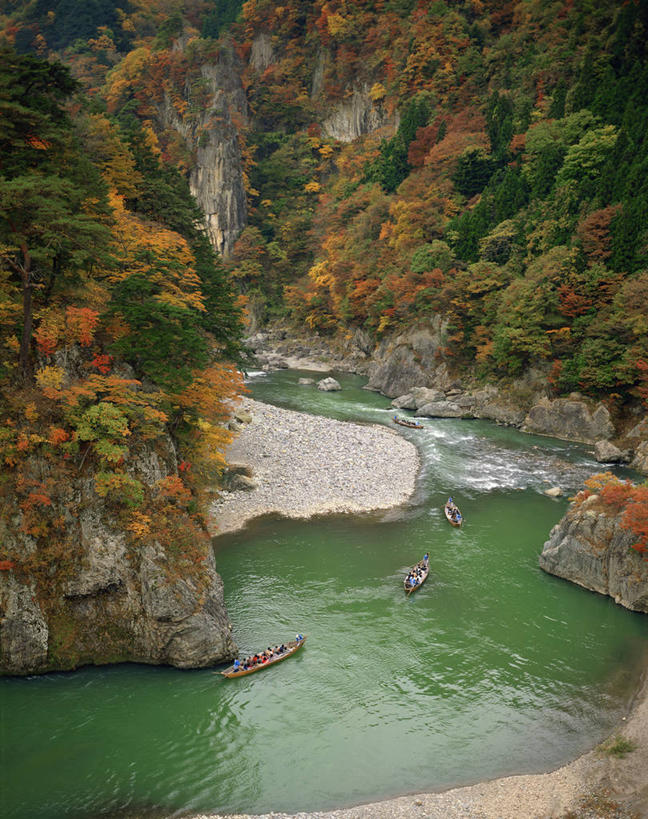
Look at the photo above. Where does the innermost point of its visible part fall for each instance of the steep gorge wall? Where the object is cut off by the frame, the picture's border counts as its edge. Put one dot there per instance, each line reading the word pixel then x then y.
pixel 216 176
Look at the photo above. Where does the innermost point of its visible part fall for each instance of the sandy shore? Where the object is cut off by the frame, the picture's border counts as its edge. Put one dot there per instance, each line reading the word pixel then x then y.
pixel 305 465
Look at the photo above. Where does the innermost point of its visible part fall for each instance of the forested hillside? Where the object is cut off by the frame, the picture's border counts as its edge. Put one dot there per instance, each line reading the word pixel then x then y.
pixel 119 334
pixel 500 180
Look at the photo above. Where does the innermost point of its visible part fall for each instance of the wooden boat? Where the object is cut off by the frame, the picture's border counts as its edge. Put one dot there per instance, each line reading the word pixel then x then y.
pixel 423 564
pixel 404 422
pixel 291 648
pixel 452 513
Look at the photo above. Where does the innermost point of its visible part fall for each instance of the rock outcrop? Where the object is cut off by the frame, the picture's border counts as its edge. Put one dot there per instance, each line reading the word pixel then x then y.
pixel 216 176
pixel 409 360
pixel 569 418
pixel 356 116
pixel 591 548
pixel 105 600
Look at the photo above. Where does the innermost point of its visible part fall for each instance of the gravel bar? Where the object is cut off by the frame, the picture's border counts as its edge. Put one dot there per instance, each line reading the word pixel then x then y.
pixel 305 465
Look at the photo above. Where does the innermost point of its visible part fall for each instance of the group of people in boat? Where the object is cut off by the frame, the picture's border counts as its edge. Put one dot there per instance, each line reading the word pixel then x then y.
pixel 416 575
pixel 263 657
pixel 453 510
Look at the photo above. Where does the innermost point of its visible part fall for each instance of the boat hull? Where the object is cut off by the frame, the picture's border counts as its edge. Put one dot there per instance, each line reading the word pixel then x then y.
pixel 455 523
pixel 293 646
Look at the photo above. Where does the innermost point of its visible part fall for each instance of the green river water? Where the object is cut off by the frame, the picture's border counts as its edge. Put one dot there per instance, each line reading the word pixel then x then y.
pixel 492 668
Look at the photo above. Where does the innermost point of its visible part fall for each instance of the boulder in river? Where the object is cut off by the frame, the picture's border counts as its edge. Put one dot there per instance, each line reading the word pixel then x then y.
pixel 329 385
pixel 607 453
pixel 306 381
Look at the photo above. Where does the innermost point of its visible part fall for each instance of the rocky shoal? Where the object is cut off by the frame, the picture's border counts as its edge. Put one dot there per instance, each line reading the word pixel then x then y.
pixel 300 465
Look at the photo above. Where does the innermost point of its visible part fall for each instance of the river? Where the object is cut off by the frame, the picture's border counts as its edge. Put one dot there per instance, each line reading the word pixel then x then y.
pixel 492 668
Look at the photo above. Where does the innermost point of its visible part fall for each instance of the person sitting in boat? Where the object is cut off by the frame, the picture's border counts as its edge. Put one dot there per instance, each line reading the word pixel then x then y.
pixel 237 665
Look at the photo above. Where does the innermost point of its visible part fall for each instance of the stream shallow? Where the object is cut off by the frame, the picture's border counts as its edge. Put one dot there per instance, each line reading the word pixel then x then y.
pixel 492 668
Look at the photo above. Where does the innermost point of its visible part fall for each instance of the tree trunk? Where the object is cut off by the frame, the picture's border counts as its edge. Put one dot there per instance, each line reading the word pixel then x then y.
pixel 28 318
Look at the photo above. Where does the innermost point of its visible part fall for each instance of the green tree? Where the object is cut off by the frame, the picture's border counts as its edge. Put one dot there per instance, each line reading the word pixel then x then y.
pixel 51 199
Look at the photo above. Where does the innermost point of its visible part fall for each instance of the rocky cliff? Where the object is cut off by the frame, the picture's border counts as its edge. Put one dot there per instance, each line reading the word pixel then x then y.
pixel 100 599
pixel 210 133
pixel 590 547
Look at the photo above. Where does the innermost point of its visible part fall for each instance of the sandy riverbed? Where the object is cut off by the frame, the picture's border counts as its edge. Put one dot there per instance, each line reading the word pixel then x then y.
pixel 306 465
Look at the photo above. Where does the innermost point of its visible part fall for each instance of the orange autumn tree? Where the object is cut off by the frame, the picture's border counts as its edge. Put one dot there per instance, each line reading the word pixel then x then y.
pixel 627 499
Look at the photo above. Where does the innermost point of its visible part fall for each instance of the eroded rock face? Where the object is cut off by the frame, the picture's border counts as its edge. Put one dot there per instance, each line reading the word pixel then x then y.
pixel 589 547
pixel 216 177
pixel 409 360
pixel 23 631
pixel 569 418
pixel 640 460
pixel 111 601
pixel 356 116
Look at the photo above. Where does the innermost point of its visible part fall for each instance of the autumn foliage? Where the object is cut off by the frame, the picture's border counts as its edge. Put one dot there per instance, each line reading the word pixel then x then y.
pixel 626 499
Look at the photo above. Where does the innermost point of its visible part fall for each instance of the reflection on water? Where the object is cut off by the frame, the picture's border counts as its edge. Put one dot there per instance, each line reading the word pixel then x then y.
pixel 491 668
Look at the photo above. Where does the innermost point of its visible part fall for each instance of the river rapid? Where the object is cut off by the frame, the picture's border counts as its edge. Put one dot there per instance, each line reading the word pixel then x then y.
pixel 492 668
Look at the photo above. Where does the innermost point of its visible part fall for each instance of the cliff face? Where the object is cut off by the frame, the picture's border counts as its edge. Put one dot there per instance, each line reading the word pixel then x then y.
pixel 589 547
pixel 216 177
pixel 102 600
pixel 356 116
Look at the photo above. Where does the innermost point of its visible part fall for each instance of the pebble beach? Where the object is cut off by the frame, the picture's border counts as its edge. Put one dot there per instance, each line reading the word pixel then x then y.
pixel 306 465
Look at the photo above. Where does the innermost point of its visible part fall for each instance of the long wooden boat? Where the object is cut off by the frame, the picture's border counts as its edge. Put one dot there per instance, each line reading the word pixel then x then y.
pixel 404 422
pixel 454 516
pixel 291 648
pixel 423 564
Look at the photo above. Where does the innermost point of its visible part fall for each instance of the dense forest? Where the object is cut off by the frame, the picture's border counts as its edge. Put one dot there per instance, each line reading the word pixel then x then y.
pixel 503 184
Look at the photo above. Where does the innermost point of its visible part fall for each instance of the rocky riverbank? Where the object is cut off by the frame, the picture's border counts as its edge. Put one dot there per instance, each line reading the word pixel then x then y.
pixel 298 465
pixel 410 368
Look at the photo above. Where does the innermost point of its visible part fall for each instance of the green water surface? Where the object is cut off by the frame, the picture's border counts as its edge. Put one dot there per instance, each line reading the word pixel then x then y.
pixel 492 668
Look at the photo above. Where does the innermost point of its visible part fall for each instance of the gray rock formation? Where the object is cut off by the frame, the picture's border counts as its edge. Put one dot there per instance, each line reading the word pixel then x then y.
pixel 443 409
pixel 261 53
pixel 409 360
pixel 23 630
pixel 356 116
pixel 590 547
pixel 306 382
pixel 110 600
pixel 328 385
pixel 640 460
pixel 569 418
pixel 607 453
pixel 216 176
